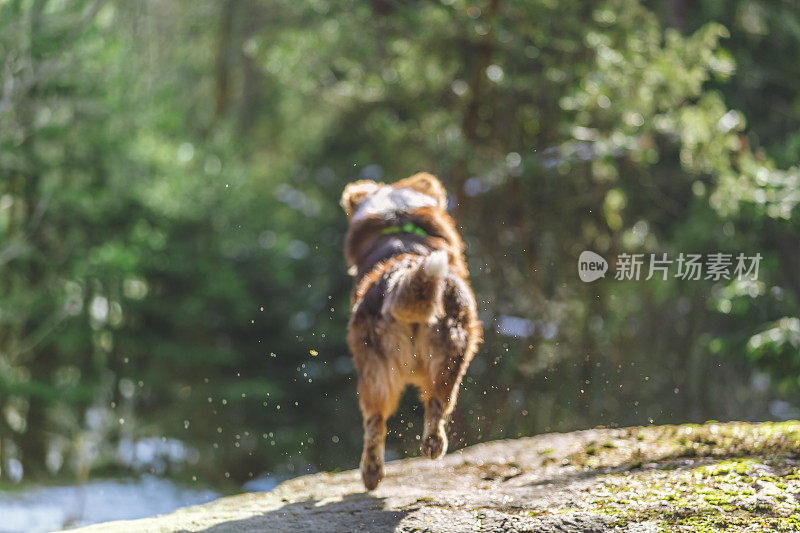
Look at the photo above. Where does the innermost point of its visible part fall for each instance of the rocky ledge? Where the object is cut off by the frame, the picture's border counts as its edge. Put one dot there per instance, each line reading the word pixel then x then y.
pixel 735 476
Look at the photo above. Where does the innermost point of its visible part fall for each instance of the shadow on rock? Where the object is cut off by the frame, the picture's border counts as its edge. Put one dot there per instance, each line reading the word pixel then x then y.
pixel 354 512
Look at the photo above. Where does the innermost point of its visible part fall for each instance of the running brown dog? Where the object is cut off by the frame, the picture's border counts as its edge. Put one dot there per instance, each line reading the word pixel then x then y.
pixel 414 319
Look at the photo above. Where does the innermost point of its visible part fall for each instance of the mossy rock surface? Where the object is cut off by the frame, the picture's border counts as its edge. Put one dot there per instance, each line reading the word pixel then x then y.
pixel 712 477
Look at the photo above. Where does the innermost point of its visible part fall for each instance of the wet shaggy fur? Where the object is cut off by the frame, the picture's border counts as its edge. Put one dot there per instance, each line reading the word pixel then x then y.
pixel 414 318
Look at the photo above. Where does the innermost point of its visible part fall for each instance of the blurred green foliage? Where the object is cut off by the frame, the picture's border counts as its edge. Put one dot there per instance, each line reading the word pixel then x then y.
pixel 170 239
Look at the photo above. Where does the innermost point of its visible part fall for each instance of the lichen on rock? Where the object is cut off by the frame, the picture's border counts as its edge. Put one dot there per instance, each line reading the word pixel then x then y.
pixel 736 476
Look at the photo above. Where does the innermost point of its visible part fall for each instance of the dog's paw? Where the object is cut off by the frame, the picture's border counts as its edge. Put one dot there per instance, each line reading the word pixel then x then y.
pixel 371 473
pixel 434 445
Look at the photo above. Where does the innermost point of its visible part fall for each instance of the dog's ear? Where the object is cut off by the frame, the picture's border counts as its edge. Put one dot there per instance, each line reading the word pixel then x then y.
pixel 355 193
pixel 426 184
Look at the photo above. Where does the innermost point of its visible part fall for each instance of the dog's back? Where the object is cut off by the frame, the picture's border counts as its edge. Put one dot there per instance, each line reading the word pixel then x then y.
pixel 414 318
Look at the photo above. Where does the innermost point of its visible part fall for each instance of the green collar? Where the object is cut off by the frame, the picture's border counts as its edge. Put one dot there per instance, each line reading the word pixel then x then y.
pixel 408 227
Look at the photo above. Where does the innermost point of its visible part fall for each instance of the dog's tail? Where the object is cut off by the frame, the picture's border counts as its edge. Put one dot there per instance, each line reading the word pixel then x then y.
pixel 416 294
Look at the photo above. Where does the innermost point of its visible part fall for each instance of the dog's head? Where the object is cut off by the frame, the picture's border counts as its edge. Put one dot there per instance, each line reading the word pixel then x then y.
pixel 409 215
pixel 367 198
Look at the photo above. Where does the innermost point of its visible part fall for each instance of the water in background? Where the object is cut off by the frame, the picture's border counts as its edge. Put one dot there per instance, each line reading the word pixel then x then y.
pixel 56 508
